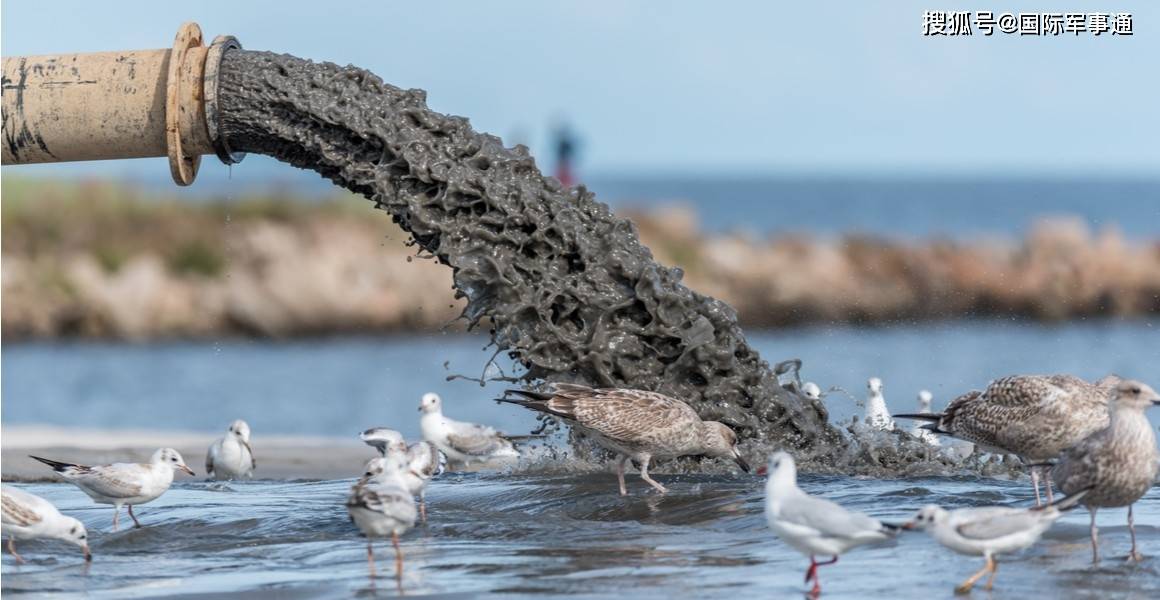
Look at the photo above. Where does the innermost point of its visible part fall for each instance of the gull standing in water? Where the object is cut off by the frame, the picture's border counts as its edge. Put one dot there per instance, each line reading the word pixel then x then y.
pixel 877 415
pixel 123 483
pixel 424 460
pixel 814 525
pixel 380 505
pixel 635 424
pixel 988 531
pixel 27 516
pixel 925 435
pixel 1033 416
pixel 462 442
pixel 1119 463
pixel 232 457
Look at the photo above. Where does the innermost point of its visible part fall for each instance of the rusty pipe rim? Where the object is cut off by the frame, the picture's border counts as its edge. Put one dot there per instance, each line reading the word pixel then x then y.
pixel 183 167
pixel 213 61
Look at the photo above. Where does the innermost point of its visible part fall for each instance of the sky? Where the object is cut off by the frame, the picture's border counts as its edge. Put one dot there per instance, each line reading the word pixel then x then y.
pixel 702 87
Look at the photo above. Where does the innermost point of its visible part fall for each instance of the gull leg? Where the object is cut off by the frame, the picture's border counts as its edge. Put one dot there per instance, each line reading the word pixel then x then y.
pixel 116 515
pixel 644 475
pixel 370 557
pixel 1095 537
pixel 1047 484
pixel 817 589
pixel 994 571
pixel 813 570
pixel 423 505
pixel 620 474
pixel 965 587
pixel 12 551
pixel 1133 555
pixel 398 557
pixel 1035 483
pixel 136 523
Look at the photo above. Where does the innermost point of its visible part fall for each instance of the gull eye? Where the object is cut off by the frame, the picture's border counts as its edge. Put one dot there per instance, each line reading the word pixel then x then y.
pixel 1135 390
pixel 73 531
pixel 84 537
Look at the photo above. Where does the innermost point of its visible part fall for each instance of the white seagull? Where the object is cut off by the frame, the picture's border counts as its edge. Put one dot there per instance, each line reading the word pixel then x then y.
pixel 811 390
pixel 28 516
pixel 989 530
pixel 461 442
pixel 380 505
pixel 123 483
pixel 232 457
pixel 877 415
pixel 424 460
pixel 925 435
pixel 813 525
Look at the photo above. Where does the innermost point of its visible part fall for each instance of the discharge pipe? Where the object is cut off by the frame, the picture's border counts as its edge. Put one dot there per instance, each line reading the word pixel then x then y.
pixel 108 105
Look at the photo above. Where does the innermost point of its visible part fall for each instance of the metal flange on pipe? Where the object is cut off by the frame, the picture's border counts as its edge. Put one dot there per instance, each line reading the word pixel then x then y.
pixel 108 105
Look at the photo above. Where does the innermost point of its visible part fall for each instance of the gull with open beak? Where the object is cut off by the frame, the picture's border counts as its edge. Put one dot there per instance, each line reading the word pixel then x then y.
pixel 27 516
pixel 123 484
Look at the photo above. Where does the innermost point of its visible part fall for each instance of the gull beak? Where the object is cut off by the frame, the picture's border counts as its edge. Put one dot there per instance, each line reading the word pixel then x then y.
pixel 908 526
pixel 187 469
pixel 762 470
pixel 744 466
pixel 88 555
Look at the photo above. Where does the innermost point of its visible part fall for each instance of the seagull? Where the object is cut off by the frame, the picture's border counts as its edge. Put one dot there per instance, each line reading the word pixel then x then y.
pixel 123 483
pixel 1119 462
pixel 1033 416
pixel 380 505
pixel 231 457
pixel 461 442
pixel 814 525
pixel 989 530
pixel 877 415
pixel 27 516
pixel 424 460
pixel 811 390
pixel 924 435
pixel 635 424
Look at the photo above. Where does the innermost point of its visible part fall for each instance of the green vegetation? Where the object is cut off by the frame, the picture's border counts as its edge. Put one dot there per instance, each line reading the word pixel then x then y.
pixel 115 222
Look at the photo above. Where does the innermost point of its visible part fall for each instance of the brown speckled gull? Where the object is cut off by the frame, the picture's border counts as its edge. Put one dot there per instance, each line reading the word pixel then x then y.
pixel 635 424
pixel 1033 416
pixel 1119 462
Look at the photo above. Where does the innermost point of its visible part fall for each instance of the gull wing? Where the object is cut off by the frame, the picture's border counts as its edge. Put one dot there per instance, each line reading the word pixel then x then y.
pixel 18 510
pixel 830 519
pixel 120 480
pixel 475 440
pixel 388 500
pixel 426 460
pixel 997 522
pixel 631 416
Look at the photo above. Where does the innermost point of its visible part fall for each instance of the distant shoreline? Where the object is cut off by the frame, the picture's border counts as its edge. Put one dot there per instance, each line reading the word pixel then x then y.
pixel 102 261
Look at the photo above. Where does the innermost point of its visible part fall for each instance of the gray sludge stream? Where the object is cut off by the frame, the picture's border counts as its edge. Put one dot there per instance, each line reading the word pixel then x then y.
pixel 566 287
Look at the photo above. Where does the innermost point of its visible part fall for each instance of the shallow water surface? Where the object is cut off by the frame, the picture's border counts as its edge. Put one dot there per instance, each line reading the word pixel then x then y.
pixel 560 535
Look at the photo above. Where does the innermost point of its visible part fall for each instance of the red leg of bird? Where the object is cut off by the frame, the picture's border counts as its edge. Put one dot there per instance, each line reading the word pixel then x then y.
pixel 136 523
pixel 12 551
pixel 812 571
pixel 398 557
pixel 370 557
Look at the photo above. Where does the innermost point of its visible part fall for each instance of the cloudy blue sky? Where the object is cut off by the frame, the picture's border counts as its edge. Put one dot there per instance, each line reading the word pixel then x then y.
pixel 705 87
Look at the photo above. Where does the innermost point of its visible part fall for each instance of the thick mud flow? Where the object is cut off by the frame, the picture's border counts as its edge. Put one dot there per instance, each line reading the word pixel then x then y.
pixel 565 286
